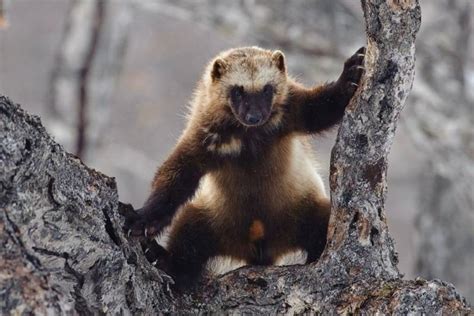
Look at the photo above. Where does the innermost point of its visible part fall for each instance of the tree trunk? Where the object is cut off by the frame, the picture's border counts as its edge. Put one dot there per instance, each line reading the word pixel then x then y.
pixel 63 249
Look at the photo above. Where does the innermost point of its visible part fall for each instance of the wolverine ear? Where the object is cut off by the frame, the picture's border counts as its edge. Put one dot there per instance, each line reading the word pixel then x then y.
pixel 279 60
pixel 218 69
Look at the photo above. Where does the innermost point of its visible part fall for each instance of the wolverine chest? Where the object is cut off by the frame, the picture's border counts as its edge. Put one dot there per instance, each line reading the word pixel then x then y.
pixel 241 145
pixel 274 182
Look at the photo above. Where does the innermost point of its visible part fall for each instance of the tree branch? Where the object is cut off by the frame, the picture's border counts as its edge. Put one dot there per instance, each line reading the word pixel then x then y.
pixel 62 249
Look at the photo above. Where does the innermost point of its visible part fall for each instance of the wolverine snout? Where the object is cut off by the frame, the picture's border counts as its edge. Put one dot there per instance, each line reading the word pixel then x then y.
pixel 254 115
pixel 251 109
pixel 253 118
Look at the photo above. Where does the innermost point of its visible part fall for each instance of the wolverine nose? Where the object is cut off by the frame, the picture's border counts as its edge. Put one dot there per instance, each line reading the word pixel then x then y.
pixel 253 118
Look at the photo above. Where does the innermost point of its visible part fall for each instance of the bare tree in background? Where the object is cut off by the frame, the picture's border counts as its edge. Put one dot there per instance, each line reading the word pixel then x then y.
pixel 301 28
pixel 441 122
pixel 88 64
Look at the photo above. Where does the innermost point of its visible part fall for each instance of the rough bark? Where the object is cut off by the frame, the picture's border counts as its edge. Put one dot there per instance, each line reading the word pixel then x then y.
pixel 63 250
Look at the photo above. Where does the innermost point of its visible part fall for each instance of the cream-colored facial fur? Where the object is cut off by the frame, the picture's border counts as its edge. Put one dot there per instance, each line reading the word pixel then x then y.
pixel 251 68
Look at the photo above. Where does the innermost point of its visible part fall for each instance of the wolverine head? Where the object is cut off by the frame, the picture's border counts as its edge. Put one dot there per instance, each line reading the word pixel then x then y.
pixel 252 82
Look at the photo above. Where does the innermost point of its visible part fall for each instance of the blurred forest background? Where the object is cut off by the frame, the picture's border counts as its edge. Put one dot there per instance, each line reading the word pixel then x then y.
pixel 111 80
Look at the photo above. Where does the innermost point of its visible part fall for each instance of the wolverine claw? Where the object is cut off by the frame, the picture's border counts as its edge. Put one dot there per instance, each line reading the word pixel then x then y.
pixel 143 225
pixel 147 249
pixel 352 73
pixel 361 51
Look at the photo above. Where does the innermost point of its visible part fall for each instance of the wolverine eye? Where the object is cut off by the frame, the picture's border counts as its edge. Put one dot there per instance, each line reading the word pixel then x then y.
pixel 268 90
pixel 236 92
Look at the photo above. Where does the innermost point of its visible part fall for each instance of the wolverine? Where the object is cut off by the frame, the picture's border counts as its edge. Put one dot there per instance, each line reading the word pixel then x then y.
pixel 242 180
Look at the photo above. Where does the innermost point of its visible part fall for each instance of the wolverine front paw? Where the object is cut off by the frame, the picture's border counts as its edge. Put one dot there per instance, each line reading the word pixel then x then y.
pixel 141 224
pixel 353 69
pixel 156 254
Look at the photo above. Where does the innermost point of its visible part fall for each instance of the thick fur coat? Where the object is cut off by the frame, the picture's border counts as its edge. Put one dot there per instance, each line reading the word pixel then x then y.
pixel 242 179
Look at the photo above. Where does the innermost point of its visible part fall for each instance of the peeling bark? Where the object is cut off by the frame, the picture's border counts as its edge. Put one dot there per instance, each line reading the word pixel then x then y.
pixel 63 250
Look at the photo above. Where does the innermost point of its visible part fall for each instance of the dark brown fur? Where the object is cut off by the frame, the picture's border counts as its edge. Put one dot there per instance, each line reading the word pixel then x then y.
pixel 248 192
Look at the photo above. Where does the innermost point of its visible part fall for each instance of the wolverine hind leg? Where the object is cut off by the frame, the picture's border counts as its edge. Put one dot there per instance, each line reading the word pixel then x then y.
pixel 192 242
pixel 313 226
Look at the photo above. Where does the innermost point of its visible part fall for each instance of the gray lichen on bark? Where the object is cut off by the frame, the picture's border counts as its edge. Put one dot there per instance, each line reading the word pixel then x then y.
pixel 359 158
pixel 63 250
